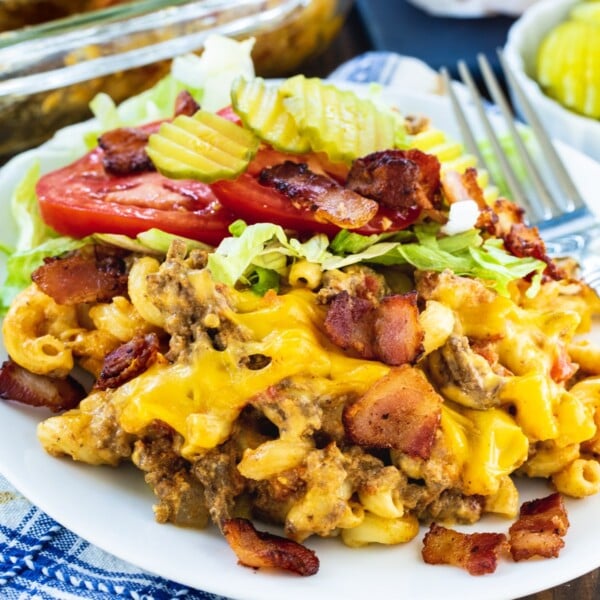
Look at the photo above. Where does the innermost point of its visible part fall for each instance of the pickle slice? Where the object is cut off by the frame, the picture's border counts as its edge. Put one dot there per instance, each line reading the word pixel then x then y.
pixel 262 111
pixel 587 11
pixel 568 66
pixel 205 147
pixel 338 122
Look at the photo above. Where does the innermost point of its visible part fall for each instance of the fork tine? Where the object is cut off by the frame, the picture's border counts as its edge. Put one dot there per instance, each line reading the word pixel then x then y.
pixel 546 207
pixel 463 125
pixel 573 197
pixel 516 189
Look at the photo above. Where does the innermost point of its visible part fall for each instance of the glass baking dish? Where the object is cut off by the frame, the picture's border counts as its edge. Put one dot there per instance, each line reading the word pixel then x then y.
pixel 50 72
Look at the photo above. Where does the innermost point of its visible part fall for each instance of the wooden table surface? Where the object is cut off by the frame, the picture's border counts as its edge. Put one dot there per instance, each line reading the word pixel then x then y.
pixel 353 40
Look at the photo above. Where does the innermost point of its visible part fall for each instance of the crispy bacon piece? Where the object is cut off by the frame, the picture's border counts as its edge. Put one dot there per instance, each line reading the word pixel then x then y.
pixel 19 384
pixel 540 528
pixel 261 549
pixel 476 552
pixel 328 199
pixel 506 220
pixel 388 331
pixel 125 151
pixel 508 214
pixel 398 334
pixel 94 274
pixel 401 411
pixel 523 241
pixel 185 104
pixel 350 322
pixel 128 361
pixel 397 179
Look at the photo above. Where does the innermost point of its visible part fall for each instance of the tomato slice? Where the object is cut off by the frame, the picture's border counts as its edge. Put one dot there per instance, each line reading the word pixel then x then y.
pixel 82 198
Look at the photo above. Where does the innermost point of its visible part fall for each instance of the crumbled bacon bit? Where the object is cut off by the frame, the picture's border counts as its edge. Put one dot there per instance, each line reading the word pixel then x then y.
pixel 397 179
pixel 261 549
pixel 90 275
pixel 523 241
pixel 20 385
pixel 398 335
pixel 128 361
pixel 349 323
pixel 124 151
pixel 475 552
pixel 540 528
pixel 185 104
pixel 313 191
pixel 400 411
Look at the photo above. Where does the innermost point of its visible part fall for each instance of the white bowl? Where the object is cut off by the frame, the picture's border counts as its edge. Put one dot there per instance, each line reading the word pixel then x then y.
pixel 524 39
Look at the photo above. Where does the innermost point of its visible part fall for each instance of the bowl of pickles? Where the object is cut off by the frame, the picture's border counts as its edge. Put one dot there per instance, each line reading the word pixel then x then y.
pixel 554 52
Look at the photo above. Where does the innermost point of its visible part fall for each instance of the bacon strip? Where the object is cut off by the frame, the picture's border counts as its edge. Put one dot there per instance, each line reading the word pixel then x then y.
pixel 128 361
pixel 397 179
pixel 401 411
pixel 20 385
pixel 261 549
pixel 475 552
pixel 540 528
pixel 84 276
pixel 389 331
pixel 328 199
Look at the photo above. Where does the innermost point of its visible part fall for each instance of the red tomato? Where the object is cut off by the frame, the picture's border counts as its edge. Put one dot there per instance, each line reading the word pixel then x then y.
pixel 82 198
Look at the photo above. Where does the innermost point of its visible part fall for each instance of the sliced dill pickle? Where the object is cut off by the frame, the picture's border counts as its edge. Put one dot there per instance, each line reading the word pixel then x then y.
pixel 587 11
pixel 205 147
pixel 262 111
pixel 568 66
pixel 338 122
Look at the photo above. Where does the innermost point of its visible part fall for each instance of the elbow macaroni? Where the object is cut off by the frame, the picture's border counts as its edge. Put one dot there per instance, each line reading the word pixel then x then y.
pixel 272 364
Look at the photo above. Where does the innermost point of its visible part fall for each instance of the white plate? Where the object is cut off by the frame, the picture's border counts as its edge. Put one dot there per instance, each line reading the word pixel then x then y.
pixel 112 507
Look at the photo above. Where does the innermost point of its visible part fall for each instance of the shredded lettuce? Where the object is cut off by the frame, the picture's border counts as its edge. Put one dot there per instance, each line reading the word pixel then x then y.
pixel 263 280
pixel 266 246
pixel 24 207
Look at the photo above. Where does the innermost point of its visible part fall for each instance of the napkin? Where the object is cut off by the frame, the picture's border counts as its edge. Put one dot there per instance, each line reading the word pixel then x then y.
pixel 40 559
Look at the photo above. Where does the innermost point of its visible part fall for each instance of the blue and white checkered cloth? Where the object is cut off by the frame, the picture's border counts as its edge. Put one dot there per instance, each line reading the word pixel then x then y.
pixel 41 560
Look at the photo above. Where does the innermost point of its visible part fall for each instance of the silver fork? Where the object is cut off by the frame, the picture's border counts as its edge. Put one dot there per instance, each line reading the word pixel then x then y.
pixel 551 200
